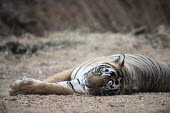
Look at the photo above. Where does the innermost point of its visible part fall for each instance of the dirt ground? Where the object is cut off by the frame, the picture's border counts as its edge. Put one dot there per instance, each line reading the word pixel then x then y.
pixel 67 51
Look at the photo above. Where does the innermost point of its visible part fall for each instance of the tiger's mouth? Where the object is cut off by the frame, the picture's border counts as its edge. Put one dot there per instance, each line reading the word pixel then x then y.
pixel 112 87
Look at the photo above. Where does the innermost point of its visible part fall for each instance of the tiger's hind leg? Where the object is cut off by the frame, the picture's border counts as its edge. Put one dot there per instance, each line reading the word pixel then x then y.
pixel 32 86
pixel 63 76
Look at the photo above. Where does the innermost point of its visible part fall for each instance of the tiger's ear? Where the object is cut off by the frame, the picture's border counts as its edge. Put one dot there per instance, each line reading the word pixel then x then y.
pixel 120 61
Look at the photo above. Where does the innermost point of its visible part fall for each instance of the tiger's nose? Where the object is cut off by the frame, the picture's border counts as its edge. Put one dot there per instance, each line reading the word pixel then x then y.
pixel 94 82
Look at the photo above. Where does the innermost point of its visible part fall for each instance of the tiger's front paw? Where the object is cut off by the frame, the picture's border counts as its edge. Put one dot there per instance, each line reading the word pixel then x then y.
pixel 23 86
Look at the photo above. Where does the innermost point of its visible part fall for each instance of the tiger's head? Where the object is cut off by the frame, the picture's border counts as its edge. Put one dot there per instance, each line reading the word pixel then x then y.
pixel 106 78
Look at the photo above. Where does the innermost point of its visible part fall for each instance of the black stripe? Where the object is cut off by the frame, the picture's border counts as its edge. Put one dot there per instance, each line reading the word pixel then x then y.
pixel 85 88
pixel 111 66
pixel 77 71
pixel 118 73
pixel 78 81
pixel 125 74
pixel 71 85
pixel 104 65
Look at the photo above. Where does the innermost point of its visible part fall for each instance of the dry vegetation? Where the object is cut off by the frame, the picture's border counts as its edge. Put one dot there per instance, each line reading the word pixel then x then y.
pixel 37 16
pixel 66 50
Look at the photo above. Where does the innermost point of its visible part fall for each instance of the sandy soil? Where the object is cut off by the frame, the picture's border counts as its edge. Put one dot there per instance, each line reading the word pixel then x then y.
pixel 75 48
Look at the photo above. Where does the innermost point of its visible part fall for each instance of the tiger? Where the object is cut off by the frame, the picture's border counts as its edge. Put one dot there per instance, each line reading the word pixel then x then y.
pixel 108 75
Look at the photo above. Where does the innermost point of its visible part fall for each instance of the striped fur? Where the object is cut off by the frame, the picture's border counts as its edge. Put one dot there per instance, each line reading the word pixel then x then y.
pixel 147 74
pixel 137 74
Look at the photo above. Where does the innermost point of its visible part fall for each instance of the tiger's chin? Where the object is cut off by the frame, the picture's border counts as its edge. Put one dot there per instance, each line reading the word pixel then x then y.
pixel 100 91
pixel 104 92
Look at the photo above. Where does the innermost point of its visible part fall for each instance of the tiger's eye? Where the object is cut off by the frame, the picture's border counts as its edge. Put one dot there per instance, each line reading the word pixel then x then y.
pixel 107 70
pixel 116 82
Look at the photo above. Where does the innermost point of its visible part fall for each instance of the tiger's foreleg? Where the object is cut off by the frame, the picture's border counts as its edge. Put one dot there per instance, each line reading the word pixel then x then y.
pixel 32 86
pixel 63 76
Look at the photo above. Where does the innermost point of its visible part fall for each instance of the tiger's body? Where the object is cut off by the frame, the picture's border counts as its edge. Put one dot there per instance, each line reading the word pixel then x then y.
pixel 116 74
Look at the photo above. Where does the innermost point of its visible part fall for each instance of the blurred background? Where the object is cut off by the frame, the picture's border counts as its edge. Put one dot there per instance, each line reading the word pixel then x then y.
pixel 40 16
pixel 39 38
